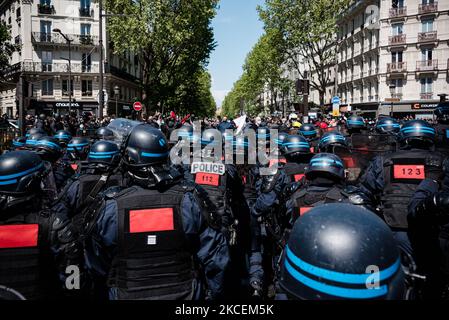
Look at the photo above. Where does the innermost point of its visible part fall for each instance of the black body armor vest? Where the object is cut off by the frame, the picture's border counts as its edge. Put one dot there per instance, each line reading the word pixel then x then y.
pixel 403 172
pixel 153 260
pixel 25 258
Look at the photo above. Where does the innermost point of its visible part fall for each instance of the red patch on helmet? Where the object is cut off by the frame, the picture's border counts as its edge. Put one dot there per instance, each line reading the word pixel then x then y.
pixel 151 220
pixel 19 236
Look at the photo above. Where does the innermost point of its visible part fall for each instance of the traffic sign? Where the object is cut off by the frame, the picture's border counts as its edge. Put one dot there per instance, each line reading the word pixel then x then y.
pixel 336 100
pixel 137 106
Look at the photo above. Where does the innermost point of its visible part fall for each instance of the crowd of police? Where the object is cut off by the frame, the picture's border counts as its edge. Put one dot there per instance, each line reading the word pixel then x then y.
pixel 344 212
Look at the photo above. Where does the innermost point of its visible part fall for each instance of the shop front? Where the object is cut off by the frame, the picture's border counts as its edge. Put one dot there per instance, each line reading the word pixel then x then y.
pixel 415 110
pixel 62 107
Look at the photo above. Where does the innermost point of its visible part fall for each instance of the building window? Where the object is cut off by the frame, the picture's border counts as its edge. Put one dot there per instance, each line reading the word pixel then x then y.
pixel 45 31
pixel 85 4
pixel 47 87
pixel 426 54
pixel 65 87
pixel 86 63
pixel 398 86
pixel 85 29
pixel 397 4
pixel 427 25
pixel 396 56
pixel 86 88
pixel 397 28
pixel 426 85
pixel 18 13
pixel 45 2
pixel 47 61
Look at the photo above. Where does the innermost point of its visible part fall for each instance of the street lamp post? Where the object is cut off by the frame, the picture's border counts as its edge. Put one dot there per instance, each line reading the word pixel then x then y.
pixel 116 93
pixel 392 91
pixel 69 41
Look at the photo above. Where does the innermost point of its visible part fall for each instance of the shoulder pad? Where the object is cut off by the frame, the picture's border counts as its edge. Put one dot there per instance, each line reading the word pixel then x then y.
pixel 350 189
pixel 59 223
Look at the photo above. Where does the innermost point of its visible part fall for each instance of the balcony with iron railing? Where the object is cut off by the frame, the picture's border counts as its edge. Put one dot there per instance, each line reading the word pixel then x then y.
pixel 427 65
pixel 426 95
pixel 86 12
pixel 428 8
pixel 76 67
pixel 56 38
pixel 397 39
pixel 45 9
pixel 398 12
pixel 396 67
pixel 427 36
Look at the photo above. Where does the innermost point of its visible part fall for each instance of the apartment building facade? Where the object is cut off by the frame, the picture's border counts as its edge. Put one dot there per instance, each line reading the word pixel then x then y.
pixel 43 60
pixel 399 66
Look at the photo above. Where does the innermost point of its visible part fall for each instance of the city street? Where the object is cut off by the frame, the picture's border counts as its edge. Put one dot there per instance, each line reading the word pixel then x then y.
pixel 234 153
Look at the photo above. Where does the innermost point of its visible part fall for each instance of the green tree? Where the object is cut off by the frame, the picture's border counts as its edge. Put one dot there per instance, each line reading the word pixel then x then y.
pixel 194 96
pixel 174 39
pixel 262 72
pixel 6 49
pixel 307 29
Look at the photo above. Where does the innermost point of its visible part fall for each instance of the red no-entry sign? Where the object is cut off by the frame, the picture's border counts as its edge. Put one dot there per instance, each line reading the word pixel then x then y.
pixel 137 106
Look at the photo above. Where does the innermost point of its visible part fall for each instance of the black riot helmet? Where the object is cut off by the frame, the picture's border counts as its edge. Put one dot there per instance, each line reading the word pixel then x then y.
pixel 48 149
pixel 355 123
pixel 295 143
pixel 308 131
pixel 417 132
pixel 241 145
pixel 105 154
pixel 20 173
pixel 104 133
pixel 387 125
pixel 146 146
pixel 281 138
pixel 31 140
pixel 78 148
pixel 341 251
pixel 42 117
pixel 325 165
pixel 331 139
pixel 63 137
pixel 33 131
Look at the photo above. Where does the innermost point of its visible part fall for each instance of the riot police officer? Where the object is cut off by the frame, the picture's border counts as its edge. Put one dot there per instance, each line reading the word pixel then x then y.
pixel 391 179
pixel 50 151
pixel 36 242
pixel 149 239
pixel 332 252
pixel 387 125
pixel 442 114
pixel 355 124
pixel 99 174
pixel 104 133
pixel 325 183
pixel 429 235
pixel 63 138
pixel 310 132
pixel 76 153
pixel 332 139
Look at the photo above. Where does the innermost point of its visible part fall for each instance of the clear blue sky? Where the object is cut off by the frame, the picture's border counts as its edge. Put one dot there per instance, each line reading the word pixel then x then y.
pixel 237 29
